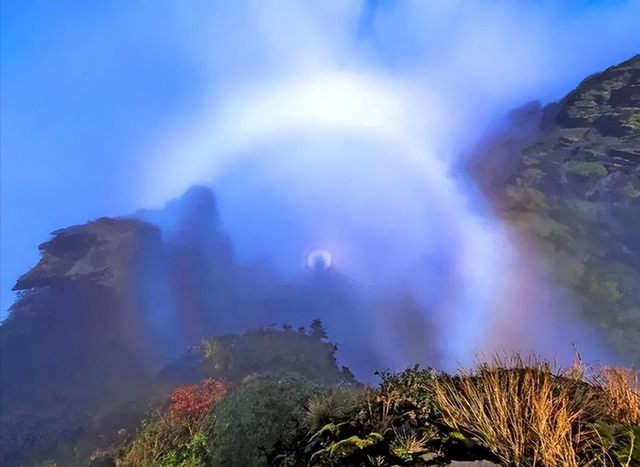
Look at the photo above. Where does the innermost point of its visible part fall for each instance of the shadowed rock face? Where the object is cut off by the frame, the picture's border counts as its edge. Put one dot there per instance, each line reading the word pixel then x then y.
pixel 102 252
pixel 608 102
pixel 109 302
pixel 576 189
pixel 74 346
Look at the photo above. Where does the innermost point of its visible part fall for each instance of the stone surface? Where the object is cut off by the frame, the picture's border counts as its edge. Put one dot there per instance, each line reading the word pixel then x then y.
pixel 101 251
pixel 574 188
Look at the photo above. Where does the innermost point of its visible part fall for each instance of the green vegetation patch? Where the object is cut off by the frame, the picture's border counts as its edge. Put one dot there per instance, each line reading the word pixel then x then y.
pixel 587 169
pixel 529 199
pixel 351 445
pixel 261 420
pixel 586 210
pixel 634 120
pixel 630 190
pixel 232 357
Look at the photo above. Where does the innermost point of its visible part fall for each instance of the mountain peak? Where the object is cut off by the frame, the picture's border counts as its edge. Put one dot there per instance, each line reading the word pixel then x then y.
pixel 608 101
pixel 99 251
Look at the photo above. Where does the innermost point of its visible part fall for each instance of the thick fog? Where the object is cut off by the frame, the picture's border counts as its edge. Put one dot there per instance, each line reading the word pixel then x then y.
pixel 340 127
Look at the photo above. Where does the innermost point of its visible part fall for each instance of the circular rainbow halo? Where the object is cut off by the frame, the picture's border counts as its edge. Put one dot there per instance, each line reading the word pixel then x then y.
pixel 319 260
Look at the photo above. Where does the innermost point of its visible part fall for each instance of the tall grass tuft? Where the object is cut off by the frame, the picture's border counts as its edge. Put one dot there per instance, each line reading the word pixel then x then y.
pixel 524 412
pixel 621 394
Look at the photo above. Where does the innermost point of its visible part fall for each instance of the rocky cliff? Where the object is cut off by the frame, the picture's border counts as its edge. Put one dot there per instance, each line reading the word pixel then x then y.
pixel 75 346
pixel 101 252
pixel 111 302
pixel 574 184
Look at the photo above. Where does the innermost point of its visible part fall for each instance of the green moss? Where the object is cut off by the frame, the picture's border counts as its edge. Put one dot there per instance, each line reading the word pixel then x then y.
pixel 608 288
pixel 331 428
pixel 461 441
pixel 587 169
pixel 529 199
pixel 634 120
pixel 457 436
pixel 585 210
pixel 588 105
pixel 631 191
pixel 348 447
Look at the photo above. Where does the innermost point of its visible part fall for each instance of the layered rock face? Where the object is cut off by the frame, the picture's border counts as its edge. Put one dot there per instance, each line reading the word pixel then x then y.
pixel 575 185
pixel 608 102
pixel 100 252
pixel 107 306
pixel 74 344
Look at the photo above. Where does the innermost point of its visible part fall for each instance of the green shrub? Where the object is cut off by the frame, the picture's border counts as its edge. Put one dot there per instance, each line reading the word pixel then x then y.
pixel 174 437
pixel 260 420
pixel 233 357
pixel 351 445
pixel 622 442
pixel 333 407
pixel 413 385
pixel 164 442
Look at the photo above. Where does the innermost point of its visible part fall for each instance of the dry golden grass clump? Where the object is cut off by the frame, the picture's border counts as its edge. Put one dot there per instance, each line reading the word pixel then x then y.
pixel 532 414
pixel 621 394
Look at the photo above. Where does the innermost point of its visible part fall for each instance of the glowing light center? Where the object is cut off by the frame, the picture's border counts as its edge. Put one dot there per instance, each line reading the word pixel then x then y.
pixel 319 259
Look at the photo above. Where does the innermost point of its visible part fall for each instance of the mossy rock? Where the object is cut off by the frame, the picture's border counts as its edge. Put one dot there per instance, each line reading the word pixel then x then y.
pixel 585 169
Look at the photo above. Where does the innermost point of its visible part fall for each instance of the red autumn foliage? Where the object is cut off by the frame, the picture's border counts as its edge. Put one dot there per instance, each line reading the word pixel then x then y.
pixel 189 404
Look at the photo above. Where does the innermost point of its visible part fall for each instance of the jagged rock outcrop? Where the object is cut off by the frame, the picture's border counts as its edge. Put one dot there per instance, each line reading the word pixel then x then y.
pixel 575 185
pixel 75 345
pixel 101 252
pixel 108 303
pixel 608 102
pixel 200 261
pixel 106 306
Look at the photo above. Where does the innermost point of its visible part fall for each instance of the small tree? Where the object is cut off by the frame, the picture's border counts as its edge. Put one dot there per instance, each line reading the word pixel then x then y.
pixel 317 331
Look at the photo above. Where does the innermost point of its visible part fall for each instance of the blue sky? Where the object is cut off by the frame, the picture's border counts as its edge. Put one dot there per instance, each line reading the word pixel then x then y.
pixel 110 107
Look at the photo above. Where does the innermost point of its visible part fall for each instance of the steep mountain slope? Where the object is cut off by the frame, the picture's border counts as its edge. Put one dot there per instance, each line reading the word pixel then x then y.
pixel 111 302
pixel 575 185
pixel 74 346
pixel 84 351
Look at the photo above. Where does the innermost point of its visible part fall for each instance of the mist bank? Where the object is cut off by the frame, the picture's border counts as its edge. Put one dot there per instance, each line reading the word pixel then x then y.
pixel 422 267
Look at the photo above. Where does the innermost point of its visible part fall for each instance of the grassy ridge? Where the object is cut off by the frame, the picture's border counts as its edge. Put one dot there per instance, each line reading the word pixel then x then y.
pixel 514 411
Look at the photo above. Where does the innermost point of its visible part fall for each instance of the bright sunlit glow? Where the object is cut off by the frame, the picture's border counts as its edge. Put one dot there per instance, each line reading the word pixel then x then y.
pixel 319 259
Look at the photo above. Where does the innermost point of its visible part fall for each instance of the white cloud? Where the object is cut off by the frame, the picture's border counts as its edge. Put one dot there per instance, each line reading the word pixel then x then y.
pixel 391 106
